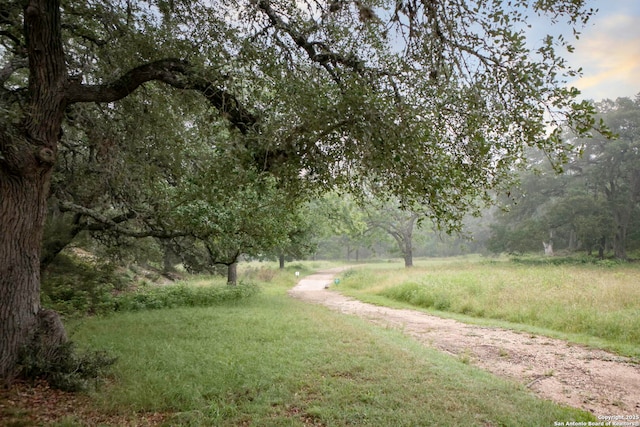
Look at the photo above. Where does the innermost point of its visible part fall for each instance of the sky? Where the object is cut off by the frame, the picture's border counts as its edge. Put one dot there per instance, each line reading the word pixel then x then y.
pixel 609 51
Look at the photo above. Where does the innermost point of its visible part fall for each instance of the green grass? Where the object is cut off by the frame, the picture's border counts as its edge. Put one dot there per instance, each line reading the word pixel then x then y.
pixel 593 304
pixel 271 360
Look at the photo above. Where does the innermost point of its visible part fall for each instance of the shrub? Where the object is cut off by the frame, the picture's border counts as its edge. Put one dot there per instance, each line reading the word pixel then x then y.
pixel 73 286
pixel 409 292
pixel 64 367
pixel 266 274
pixel 182 295
pixel 566 260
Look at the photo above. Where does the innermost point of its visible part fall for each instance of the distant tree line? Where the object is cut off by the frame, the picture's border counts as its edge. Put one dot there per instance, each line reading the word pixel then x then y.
pixel 593 206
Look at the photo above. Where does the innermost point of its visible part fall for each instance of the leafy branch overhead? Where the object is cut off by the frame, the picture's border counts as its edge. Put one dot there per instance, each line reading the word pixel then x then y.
pixel 128 106
pixel 176 73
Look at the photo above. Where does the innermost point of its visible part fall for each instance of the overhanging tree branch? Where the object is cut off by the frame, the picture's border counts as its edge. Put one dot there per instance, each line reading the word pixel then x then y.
pixel 114 224
pixel 11 67
pixel 16 41
pixel 174 72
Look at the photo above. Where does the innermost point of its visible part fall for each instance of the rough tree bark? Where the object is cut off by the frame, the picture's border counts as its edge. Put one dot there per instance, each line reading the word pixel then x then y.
pixel 408 254
pixel 404 237
pixel 28 154
pixel 22 209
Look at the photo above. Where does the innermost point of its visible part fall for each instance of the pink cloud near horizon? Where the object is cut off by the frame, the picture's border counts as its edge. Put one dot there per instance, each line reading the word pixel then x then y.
pixel 609 54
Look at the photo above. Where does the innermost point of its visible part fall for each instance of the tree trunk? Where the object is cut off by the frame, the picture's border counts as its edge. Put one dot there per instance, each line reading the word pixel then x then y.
pixel 232 274
pixel 169 258
pixel 620 242
pixel 407 238
pixel 408 255
pixel 22 214
pixel 573 241
pixel 28 154
pixel 601 247
pixel 281 261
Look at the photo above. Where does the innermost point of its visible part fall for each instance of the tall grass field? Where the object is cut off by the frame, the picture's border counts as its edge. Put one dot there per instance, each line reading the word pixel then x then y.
pixel 271 360
pixel 589 303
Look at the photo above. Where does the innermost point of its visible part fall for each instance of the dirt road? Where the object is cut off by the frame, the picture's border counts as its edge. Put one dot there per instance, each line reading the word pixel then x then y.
pixel 594 380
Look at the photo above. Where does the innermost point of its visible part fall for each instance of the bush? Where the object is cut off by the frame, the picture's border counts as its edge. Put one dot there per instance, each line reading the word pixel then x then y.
pixel 411 293
pixel 182 296
pixel 64 367
pixel 73 286
pixel 566 260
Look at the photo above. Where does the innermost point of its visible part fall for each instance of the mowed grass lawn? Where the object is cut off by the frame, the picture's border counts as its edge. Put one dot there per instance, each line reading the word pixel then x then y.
pixel 271 360
pixel 592 304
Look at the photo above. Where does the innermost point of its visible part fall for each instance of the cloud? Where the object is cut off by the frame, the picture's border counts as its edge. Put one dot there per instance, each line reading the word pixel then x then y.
pixel 609 54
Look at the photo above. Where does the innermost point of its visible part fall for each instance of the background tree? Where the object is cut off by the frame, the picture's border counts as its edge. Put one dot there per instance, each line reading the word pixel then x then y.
pixel 396 222
pixel 302 235
pixel 522 225
pixel 342 226
pixel 333 100
pixel 257 220
pixel 578 221
pixel 612 168
pixel 592 205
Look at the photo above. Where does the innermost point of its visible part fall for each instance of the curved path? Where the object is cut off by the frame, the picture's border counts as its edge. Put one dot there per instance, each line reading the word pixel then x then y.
pixel 602 383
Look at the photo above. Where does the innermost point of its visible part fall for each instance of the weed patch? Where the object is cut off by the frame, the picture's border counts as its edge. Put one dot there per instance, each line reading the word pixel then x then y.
pixel 566 260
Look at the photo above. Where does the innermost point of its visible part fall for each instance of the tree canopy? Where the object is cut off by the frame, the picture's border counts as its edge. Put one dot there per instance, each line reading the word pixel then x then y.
pixel 432 101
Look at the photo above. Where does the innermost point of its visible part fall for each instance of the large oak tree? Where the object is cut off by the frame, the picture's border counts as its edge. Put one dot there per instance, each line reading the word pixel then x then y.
pixel 432 100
